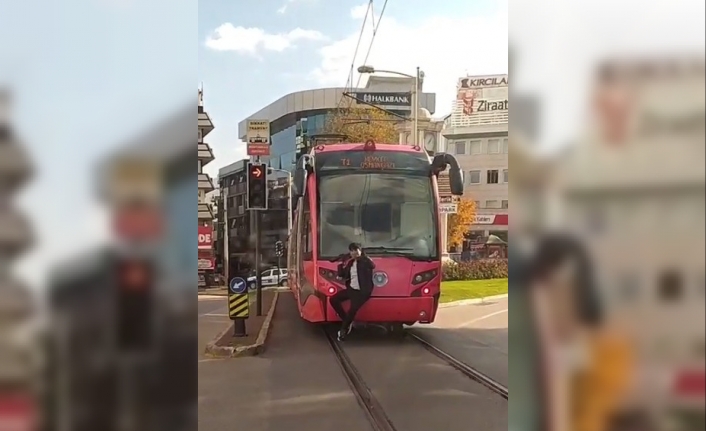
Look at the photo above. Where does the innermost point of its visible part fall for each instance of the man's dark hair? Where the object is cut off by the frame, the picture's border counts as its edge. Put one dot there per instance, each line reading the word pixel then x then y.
pixel 354 246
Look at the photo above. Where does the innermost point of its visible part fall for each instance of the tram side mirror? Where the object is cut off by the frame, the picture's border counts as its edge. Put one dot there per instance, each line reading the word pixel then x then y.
pixel 299 181
pixel 440 163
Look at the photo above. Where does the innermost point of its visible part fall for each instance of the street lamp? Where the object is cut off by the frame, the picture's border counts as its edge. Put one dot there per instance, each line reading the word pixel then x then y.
pixel 289 197
pixel 415 93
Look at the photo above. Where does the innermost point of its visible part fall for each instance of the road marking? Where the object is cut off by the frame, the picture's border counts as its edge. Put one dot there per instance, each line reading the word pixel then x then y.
pixel 478 319
pixel 215 315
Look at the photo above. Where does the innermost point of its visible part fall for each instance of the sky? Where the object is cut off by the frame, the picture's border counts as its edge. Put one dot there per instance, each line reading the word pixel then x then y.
pixel 251 56
pixel 88 76
pixel 91 75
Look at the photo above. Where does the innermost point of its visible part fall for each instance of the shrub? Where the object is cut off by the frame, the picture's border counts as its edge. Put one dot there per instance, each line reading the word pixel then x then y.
pixel 482 269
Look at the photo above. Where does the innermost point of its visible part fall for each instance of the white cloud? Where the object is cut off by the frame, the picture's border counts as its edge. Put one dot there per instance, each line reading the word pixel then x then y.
pixel 358 12
pixel 444 47
pixel 283 9
pixel 251 40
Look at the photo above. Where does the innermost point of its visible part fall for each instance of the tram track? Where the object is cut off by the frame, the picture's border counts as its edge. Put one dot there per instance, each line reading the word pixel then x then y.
pixel 364 395
pixel 464 368
pixel 372 406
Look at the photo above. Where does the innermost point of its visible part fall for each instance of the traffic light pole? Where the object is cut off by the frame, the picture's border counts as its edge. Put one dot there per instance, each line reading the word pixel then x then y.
pixel 258 263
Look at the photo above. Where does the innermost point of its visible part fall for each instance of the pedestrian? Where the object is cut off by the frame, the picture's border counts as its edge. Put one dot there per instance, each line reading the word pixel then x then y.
pixel 357 272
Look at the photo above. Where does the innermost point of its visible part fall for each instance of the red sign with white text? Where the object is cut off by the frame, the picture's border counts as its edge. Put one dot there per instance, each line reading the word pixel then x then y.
pixel 491 219
pixel 205 237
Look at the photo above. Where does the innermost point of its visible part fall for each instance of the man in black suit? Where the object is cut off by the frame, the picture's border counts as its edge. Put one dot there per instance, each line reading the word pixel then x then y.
pixel 357 272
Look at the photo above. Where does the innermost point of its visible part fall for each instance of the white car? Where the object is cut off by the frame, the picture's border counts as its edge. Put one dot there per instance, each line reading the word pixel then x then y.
pixel 270 277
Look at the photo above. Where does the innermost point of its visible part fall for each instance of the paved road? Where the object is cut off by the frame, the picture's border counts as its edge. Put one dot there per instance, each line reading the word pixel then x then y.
pixel 421 392
pixel 294 386
pixel 475 334
pixel 212 319
pixel 297 385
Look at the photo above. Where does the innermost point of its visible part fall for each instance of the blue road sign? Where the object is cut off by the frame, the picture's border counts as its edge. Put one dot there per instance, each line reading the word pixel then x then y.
pixel 238 285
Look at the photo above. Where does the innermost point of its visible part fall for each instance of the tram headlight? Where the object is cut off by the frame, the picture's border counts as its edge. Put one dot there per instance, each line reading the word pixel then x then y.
pixel 424 277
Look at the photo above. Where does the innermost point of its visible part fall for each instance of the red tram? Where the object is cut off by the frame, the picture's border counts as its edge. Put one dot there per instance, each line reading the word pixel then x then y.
pixel 384 197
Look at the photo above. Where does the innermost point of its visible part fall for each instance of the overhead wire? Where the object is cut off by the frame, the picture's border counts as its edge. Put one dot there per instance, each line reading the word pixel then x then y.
pixel 349 80
pixel 372 39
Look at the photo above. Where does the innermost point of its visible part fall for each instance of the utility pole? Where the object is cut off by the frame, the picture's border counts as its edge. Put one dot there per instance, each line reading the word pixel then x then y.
pixel 258 257
pixel 226 234
pixel 416 109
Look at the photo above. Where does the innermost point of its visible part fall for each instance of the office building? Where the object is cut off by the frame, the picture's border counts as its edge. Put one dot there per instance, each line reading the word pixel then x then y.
pixel 476 132
pixel 206 260
pixel 237 225
pixel 305 112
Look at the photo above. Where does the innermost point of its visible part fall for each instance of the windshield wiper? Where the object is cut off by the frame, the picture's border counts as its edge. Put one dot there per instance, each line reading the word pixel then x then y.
pixel 396 251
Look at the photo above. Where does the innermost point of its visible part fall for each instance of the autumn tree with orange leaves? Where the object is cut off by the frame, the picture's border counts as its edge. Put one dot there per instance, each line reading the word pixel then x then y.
pixel 459 223
pixel 363 123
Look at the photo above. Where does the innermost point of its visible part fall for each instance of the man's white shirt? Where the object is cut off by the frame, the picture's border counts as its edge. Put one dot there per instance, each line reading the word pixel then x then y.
pixel 354 276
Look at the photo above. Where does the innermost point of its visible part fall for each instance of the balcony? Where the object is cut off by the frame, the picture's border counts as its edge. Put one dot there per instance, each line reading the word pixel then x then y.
pixel 205 123
pixel 205 183
pixel 205 154
pixel 15 167
pixel 205 212
pixel 15 233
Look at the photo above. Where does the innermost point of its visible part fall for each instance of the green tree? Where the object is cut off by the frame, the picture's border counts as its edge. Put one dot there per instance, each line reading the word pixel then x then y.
pixel 459 223
pixel 363 123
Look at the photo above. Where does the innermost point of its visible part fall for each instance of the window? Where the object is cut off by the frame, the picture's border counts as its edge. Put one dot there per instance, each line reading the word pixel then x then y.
pixel 491 204
pixel 505 176
pixel 460 147
pixel 475 147
pixel 670 285
pixel 200 167
pixel 306 231
pixel 505 146
pixel 492 176
pixel 266 273
pixel 474 177
pixel 504 204
pixel 493 146
pixel 477 204
pixel 379 210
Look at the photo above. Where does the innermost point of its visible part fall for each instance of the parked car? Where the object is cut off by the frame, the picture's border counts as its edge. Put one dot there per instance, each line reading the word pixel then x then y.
pixel 270 277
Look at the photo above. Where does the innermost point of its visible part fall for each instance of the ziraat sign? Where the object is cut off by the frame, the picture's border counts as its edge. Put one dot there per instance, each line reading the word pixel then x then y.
pixel 205 237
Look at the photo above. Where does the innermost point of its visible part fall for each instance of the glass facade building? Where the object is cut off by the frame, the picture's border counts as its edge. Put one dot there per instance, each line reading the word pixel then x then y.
pixel 284 133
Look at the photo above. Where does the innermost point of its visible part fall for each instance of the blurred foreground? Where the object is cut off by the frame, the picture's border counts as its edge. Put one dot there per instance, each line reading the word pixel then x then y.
pixel 611 272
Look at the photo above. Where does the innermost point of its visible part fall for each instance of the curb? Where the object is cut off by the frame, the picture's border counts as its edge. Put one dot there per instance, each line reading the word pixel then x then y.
pixel 250 350
pixel 216 293
pixel 472 301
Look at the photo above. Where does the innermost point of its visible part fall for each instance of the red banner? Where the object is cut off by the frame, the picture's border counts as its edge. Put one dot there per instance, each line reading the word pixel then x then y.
pixel 491 219
pixel 205 237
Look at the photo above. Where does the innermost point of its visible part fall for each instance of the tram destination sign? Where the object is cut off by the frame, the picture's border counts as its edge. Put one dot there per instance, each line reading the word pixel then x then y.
pixel 372 161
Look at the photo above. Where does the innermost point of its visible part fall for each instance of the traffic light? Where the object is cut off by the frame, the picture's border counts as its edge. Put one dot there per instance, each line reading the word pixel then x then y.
pixel 279 248
pixel 257 186
pixel 135 304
